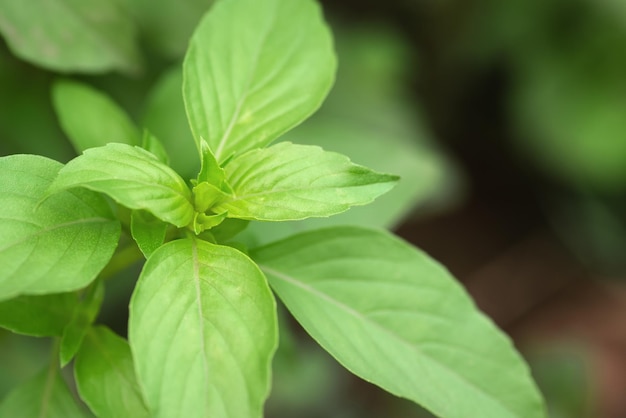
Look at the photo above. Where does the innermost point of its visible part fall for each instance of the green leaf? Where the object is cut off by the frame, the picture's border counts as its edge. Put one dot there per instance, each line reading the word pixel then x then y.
pixel 288 182
pixel 180 17
pixel 165 116
pixel 242 92
pixel 202 222
pixel 147 231
pixel 56 246
pixel 105 376
pixel 44 396
pixel 210 170
pixel 203 331
pixel 85 313
pixel 89 36
pixel 152 144
pixel 229 229
pixel 90 118
pixel 396 318
pixel 39 316
pixel 133 177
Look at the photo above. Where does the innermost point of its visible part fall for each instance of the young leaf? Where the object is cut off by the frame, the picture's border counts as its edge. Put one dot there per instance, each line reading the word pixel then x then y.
pixel 71 35
pixel 202 330
pixel 210 170
pixel 39 316
pixel 396 318
pixel 288 182
pixel 90 118
pixel 242 92
pixel 105 376
pixel 44 396
pixel 85 313
pixel 55 246
pixel 133 177
pixel 147 231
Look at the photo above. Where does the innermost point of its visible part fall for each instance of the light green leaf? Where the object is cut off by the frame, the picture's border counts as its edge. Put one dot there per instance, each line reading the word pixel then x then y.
pixel 85 313
pixel 55 246
pixel 147 231
pixel 89 36
pixel 242 92
pixel 202 222
pixel 396 318
pixel 44 396
pixel 202 330
pixel 39 316
pixel 105 376
pixel 133 177
pixel 288 182
pixel 90 118
pixel 210 170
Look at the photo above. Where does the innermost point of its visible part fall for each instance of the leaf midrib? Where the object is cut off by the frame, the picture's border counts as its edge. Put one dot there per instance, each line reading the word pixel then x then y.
pixel 247 84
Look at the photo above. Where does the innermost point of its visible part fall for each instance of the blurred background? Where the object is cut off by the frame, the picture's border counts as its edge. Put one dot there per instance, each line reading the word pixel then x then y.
pixel 505 119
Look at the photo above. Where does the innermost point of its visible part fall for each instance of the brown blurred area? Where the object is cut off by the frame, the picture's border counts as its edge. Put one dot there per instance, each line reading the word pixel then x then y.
pixel 501 242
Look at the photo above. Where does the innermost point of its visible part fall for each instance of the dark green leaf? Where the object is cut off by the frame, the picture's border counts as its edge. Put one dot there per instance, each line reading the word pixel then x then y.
pixel 288 182
pixel 39 316
pixel 55 246
pixel 105 376
pixel 44 396
pixel 147 230
pixel 180 17
pixel 133 177
pixel 85 313
pixel 396 318
pixel 202 331
pixel 254 70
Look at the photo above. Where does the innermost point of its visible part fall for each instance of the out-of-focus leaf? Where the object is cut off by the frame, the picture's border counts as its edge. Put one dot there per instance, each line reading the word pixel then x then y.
pixel 85 313
pixel 167 25
pixel 106 378
pixel 40 316
pixel 573 126
pixel 88 36
pixel 90 118
pixel 164 115
pixel 44 396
